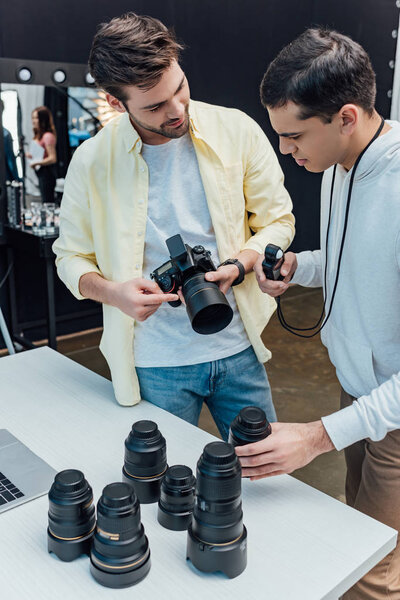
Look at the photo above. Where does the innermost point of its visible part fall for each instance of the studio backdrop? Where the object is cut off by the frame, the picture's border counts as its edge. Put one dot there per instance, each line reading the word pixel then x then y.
pixel 229 44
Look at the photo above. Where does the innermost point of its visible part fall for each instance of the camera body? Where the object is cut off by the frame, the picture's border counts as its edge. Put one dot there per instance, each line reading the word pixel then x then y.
pixel 273 259
pixel 185 262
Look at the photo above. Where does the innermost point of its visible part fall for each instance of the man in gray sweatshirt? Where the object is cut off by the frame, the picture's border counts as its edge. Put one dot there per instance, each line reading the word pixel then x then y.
pixel 320 95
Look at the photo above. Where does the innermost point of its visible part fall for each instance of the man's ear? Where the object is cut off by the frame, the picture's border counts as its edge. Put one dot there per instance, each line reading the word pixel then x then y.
pixel 349 116
pixel 115 103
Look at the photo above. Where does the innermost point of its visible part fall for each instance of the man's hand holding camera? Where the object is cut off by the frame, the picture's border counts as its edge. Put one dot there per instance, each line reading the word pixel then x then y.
pixel 139 298
pixel 224 276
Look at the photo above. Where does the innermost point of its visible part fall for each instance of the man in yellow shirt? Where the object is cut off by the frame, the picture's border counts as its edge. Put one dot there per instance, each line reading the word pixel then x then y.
pixel 168 165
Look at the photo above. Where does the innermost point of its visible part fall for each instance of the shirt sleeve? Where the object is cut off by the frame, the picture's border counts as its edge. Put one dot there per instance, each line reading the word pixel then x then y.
pixel 74 247
pixel 267 201
pixel 371 416
pixel 48 139
pixel 309 269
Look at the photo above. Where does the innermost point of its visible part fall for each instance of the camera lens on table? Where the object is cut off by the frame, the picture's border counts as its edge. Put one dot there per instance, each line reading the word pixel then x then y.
pixel 145 460
pixel 250 425
pixel 71 515
pixel 120 555
pixel 217 538
pixel 175 506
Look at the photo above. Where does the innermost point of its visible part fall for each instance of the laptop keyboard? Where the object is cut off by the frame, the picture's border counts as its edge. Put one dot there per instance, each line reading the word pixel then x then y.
pixel 8 491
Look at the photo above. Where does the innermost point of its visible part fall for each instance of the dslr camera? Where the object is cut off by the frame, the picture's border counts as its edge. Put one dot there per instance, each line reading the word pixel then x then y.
pixel 207 307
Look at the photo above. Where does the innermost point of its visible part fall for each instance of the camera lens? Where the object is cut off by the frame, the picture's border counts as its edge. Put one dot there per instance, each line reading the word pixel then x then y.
pixel 120 554
pixel 217 538
pixel 145 460
pixel 250 425
pixel 175 506
pixel 208 309
pixel 71 515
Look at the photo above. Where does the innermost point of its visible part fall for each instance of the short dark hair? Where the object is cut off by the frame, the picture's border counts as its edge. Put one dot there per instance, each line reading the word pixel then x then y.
pixel 131 50
pixel 321 70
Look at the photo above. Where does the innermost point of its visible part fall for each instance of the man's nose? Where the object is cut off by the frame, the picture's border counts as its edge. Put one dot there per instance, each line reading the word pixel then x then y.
pixel 287 146
pixel 175 109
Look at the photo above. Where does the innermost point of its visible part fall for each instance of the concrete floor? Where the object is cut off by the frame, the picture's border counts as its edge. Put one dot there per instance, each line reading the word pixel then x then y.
pixel 303 381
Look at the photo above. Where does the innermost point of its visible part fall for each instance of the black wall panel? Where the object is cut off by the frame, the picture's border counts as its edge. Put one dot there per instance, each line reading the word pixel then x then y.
pixel 229 44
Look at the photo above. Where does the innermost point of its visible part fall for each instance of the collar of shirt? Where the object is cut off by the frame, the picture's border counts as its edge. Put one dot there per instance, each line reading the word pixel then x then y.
pixel 133 141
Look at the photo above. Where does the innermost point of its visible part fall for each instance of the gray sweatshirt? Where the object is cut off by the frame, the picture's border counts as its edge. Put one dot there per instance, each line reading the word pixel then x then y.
pixel 362 334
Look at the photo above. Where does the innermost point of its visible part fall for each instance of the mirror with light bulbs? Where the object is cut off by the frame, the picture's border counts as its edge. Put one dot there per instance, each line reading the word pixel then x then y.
pixel 78 111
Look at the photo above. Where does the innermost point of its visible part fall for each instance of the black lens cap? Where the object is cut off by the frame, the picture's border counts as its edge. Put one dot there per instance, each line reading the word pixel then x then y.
pixel 219 453
pixel 145 429
pixel 118 495
pixel 250 425
pixel 69 483
pixel 179 476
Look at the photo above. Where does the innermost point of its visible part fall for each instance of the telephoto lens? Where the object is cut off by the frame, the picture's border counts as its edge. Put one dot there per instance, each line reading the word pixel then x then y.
pixel 175 506
pixel 145 460
pixel 250 425
pixel 120 555
pixel 71 515
pixel 217 538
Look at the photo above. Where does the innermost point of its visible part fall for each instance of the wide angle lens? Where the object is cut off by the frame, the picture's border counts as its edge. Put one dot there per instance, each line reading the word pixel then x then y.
pixel 120 555
pixel 175 506
pixel 71 515
pixel 145 460
pixel 217 538
pixel 250 425
pixel 207 307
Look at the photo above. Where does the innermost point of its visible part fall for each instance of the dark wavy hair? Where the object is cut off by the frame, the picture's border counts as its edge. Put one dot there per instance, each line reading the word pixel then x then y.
pixel 46 123
pixel 321 70
pixel 131 50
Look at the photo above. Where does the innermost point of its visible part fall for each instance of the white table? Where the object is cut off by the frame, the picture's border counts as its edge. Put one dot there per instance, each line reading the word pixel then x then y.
pixel 302 544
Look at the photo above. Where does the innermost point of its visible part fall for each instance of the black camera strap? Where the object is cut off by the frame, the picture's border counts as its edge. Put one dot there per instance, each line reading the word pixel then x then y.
pixel 281 317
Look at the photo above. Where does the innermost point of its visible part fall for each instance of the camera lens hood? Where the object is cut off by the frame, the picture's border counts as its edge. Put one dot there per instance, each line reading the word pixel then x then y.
pixel 175 506
pixel 71 515
pixel 207 307
pixel 250 425
pixel 145 460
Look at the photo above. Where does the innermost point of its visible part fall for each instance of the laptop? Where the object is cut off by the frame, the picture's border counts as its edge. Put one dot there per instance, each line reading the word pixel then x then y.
pixel 23 475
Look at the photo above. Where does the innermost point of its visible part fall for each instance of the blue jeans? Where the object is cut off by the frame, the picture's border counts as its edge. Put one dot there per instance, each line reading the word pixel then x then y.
pixel 225 385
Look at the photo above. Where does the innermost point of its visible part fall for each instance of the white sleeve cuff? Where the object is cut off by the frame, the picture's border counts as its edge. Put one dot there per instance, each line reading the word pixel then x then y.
pixel 345 427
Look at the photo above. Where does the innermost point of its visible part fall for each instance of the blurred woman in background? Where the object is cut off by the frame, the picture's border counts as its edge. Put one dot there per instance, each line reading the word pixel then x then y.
pixel 45 135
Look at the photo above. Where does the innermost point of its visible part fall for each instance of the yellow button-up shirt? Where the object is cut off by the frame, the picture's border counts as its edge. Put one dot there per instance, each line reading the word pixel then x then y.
pixel 104 211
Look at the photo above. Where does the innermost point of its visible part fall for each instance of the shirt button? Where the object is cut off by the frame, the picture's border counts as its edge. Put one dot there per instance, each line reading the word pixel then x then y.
pixel 137 267
pixel 140 233
pixel 142 169
pixel 141 201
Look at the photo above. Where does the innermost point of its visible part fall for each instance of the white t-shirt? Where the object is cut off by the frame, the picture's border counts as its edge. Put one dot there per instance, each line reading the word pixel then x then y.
pixel 177 204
